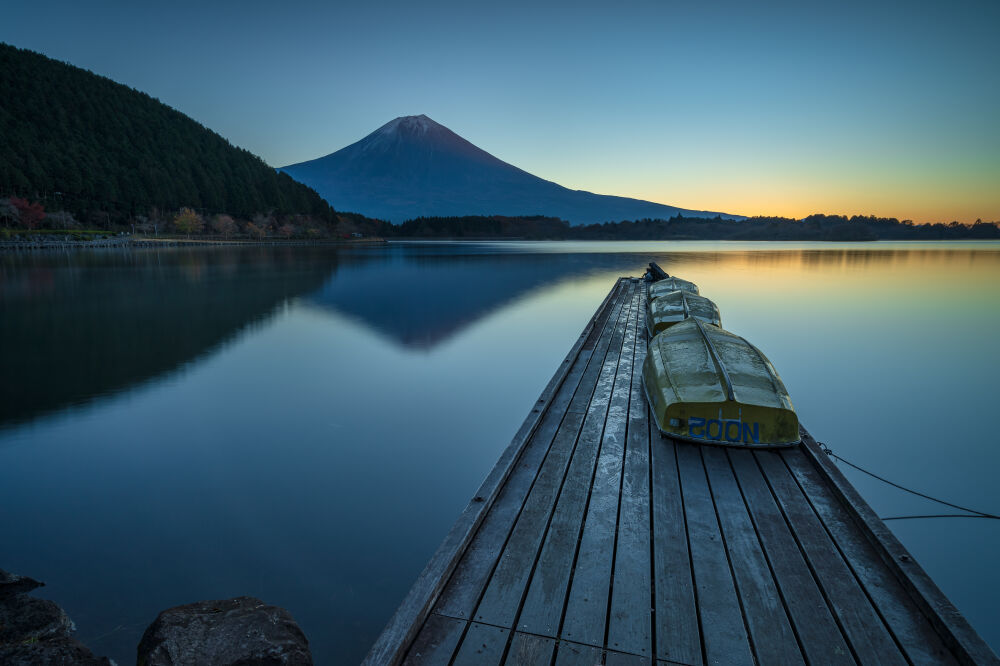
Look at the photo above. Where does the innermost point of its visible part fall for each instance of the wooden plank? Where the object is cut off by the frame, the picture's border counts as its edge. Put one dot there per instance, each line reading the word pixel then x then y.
pixel 868 636
pixel 723 633
pixel 678 638
pixel 586 613
pixel 463 591
pixel 630 620
pixel 771 632
pixel 529 650
pixel 581 402
pixel 951 625
pixel 543 606
pixel 623 659
pixel 574 654
pixel 595 347
pixel 460 597
pixel 611 308
pixel 483 645
pixel 502 600
pixel 912 629
pixel 819 635
pixel 502 597
pixel 436 642
pixel 409 617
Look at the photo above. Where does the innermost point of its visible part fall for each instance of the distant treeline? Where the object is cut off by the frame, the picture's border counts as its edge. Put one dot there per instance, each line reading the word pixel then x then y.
pixel 812 228
pixel 535 227
pixel 81 143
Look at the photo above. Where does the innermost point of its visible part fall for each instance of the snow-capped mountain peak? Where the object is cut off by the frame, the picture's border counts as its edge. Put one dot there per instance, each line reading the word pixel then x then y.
pixel 413 166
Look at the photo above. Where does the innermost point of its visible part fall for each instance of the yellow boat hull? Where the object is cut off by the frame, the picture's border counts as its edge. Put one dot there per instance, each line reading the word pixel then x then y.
pixel 707 385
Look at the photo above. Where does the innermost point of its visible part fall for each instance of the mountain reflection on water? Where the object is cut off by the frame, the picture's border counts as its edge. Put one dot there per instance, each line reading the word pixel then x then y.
pixel 304 424
pixel 77 326
pixel 420 297
pixel 80 325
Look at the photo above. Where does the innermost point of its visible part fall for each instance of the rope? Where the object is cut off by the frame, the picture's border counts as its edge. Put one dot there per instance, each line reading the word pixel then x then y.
pixel 940 515
pixel 978 514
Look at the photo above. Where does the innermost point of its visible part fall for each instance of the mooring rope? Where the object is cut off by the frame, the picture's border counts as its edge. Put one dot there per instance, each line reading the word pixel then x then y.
pixel 977 514
pixel 940 515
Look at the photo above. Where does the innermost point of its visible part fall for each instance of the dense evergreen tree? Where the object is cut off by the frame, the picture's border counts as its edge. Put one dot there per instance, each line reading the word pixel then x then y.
pixel 78 141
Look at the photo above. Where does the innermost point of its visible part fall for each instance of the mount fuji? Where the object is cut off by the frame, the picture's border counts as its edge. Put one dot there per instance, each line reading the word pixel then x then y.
pixel 414 167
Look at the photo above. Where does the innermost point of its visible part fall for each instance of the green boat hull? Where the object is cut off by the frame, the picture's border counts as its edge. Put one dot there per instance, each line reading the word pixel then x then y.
pixel 669 284
pixel 664 311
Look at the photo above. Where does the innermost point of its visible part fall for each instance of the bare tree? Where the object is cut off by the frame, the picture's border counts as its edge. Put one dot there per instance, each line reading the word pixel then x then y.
pixel 223 225
pixel 61 219
pixel 8 212
pixel 264 221
pixel 255 231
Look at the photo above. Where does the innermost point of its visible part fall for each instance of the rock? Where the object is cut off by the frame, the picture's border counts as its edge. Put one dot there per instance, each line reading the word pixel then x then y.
pixel 11 584
pixel 54 652
pixel 243 631
pixel 37 631
pixel 25 618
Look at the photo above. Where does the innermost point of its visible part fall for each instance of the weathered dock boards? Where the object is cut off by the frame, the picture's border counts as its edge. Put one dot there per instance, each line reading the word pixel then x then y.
pixel 595 540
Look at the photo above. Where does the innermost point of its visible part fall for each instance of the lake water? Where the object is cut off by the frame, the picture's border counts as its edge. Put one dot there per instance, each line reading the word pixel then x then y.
pixel 305 424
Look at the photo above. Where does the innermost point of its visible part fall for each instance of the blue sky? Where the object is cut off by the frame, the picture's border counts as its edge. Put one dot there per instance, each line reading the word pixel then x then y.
pixel 889 108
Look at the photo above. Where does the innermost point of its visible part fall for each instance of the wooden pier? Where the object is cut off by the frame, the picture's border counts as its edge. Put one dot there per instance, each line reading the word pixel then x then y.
pixel 595 540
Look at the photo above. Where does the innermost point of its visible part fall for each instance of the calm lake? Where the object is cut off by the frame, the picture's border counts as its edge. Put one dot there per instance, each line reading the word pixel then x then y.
pixel 304 424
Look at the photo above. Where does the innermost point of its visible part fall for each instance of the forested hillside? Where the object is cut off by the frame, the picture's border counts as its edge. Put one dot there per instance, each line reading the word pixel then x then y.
pixel 80 142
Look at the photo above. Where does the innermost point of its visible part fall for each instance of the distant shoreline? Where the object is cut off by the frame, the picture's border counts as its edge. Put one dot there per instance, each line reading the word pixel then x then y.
pixel 493 239
pixel 130 242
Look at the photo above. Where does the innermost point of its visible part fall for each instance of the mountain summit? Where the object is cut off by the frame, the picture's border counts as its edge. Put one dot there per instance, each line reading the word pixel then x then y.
pixel 413 167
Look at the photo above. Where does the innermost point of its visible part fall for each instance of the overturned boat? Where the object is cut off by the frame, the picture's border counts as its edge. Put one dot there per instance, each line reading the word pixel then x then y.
pixel 668 284
pixel 705 384
pixel 674 307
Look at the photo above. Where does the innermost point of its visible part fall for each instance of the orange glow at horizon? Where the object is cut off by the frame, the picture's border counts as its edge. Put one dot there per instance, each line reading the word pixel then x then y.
pixel 920 212
pixel 920 206
pixel 920 186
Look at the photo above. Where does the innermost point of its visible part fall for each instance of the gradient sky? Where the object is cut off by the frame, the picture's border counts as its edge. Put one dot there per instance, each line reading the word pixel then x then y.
pixel 785 108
